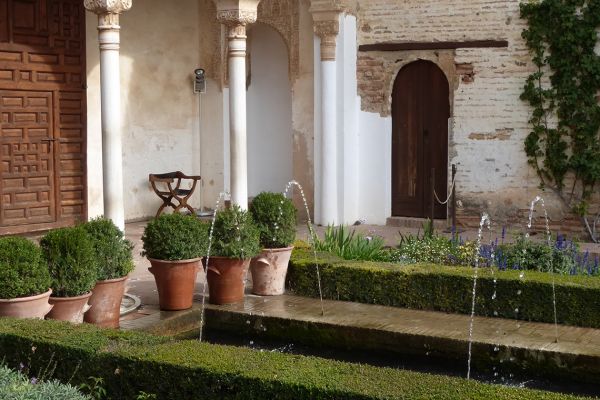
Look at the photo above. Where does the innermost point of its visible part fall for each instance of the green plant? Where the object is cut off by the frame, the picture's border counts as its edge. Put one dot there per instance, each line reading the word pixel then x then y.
pixel 275 217
pixel 94 388
pixel 564 144
pixel 174 237
pixel 145 396
pixel 71 261
pixel 431 249
pixel 447 288
pixel 235 234
pixel 23 271
pixel 350 245
pixel 113 251
pixel 188 369
pixel 15 386
pixel 538 256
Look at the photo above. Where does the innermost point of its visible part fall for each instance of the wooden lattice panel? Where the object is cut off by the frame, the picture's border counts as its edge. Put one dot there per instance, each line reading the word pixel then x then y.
pixel 42 114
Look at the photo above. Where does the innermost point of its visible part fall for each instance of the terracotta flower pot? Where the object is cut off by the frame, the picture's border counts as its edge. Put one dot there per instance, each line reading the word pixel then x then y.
pixel 269 269
pixel 69 308
pixel 225 278
pixel 106 303
pixel 175 281
pixel 26 307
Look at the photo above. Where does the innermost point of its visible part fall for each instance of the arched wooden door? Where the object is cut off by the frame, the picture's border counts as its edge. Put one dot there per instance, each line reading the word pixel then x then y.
pixel 420 112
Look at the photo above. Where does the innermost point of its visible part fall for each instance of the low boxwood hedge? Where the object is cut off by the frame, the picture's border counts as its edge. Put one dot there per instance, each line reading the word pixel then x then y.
pixel 448 289
pixel 131 362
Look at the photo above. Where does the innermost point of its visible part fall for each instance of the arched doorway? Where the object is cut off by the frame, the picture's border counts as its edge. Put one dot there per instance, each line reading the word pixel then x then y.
pixel 420 112
pixel 269 110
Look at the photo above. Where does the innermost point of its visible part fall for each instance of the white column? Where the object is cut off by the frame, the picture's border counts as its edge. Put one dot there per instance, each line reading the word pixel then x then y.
pixel 236 14
pixel 237 115
pixel 327 31
pixel 112 156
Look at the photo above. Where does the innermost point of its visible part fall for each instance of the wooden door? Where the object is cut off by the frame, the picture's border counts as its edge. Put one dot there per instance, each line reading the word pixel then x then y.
pixel 420 112
pixel 42 114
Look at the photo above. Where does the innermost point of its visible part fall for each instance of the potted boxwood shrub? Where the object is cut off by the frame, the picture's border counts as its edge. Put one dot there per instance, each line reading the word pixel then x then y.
pixel 235 242
pixel 73 271
pixel 174 245
pixel 24 279
pixel 115 262
pixel 275 216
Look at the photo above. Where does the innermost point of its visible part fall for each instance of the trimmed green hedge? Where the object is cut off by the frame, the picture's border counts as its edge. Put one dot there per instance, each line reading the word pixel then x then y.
pixel 132 362
pixel 448 289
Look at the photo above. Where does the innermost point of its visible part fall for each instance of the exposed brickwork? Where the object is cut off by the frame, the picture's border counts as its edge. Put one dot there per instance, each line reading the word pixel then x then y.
pixel 489 121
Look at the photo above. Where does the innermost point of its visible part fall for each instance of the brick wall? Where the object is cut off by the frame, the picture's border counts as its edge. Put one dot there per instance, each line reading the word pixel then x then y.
pixel 490 122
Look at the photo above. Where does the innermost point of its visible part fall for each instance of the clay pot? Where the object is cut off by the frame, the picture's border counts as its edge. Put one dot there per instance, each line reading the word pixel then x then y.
pixel 175 281
pixel 69 308
pixel 225 278
pixel 106 303
pixel 26 307
pixel 269 270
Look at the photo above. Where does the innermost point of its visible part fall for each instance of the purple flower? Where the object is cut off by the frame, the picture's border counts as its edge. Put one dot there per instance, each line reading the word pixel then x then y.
pixel 21 367
pixel 33 381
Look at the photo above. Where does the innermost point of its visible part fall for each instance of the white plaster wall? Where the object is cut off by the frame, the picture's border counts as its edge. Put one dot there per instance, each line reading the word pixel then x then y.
pixel 161 114
pixel 269 110
pixel 348 116
pixel 375 172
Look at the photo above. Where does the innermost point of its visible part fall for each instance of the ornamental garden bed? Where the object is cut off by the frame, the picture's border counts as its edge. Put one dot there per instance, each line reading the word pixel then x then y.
pixel 129 363
pixel 523 295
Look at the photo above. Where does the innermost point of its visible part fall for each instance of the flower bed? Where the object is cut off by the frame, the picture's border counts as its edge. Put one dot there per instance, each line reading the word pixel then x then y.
pixel 445 288
pixel 132 362
pixel 14 386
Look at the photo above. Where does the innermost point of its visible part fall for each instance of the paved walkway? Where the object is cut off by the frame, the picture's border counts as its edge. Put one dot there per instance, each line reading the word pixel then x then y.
pixel 491 331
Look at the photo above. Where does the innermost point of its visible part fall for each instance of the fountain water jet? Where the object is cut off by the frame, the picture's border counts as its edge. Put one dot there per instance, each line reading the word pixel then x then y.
pixel 222 196
pixel 539 199
pixel 311 234
pixel 485 220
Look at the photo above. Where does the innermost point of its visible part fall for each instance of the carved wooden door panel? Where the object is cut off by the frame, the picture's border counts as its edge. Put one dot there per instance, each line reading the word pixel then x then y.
pixel 420 112
pixel 42 114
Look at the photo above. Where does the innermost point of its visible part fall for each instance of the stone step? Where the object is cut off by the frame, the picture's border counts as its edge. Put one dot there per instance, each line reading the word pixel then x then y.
pixel 507 344
pixel 415 223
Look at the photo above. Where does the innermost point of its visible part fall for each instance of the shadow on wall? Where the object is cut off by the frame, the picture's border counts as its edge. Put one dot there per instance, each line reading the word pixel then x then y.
pixel 269 110
pixel 159 109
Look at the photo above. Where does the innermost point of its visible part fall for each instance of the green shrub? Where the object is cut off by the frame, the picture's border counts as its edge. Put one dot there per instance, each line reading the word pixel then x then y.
pixel 175 237
pixel 349 245
pixel 235 234
pixel 15 386
pixel 539 256
pixel 131 362
pixel 23 270
pixel 430 249
pixel 448 289
pixel 113 251
pixel 275 217
pixel 71 261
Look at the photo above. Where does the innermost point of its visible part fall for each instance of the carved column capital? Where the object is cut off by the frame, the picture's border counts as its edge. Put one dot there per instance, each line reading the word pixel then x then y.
pixel 236 14
pixel 108 11
pixel 327 26
pixel 237 17
pixel 108 20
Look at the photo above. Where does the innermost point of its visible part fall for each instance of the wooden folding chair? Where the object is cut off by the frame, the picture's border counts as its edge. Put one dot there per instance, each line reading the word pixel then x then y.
pixel 170 194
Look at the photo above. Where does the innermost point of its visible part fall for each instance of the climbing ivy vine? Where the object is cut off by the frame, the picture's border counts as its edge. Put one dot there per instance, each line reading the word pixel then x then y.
pixel 564 143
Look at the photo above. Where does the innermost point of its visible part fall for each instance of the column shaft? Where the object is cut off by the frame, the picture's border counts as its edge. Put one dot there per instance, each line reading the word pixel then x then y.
pixel 112 155
pixel 329 192
pixel 237 116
